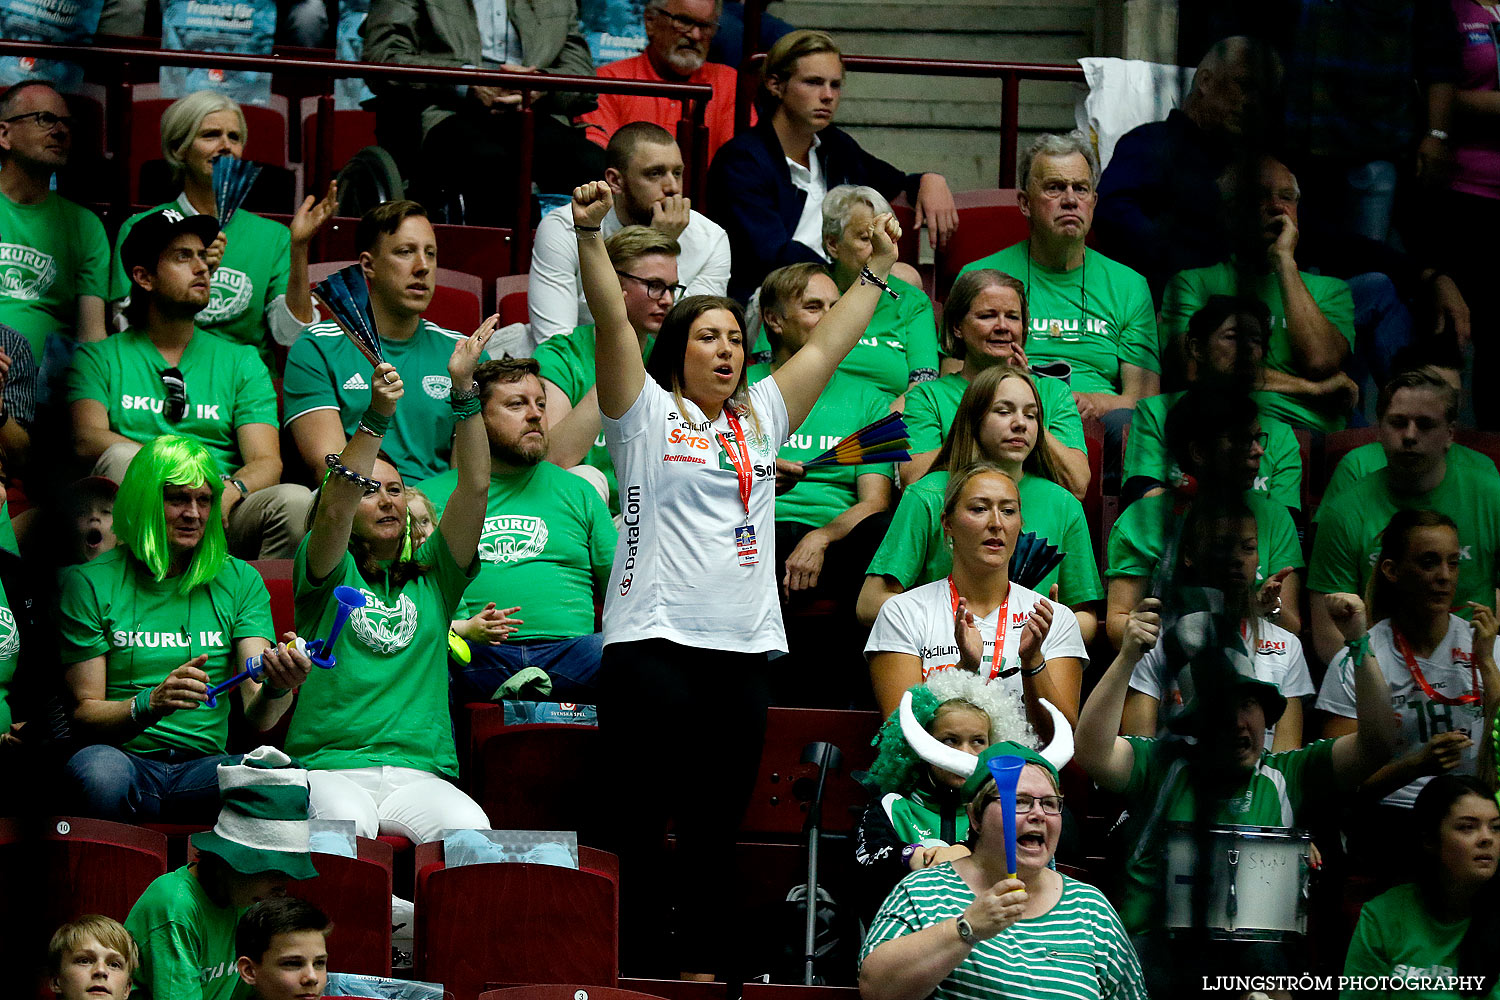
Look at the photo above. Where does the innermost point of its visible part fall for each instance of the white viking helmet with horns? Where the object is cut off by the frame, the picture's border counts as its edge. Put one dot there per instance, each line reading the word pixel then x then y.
pixel 939 754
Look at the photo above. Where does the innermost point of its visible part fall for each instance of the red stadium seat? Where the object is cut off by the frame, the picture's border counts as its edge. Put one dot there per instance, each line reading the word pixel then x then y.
pixel 277 574
pixel 527 777
pixel 478 250
pixel 510 298
pixel 539 924
pixel 1485 442
pixel 457 304
pixel 56 870
pixel 355 893
pixel 774 809
pixel 269 131
pixel 347 132
pixel 676 989
pixel 988 220
pixel 572 992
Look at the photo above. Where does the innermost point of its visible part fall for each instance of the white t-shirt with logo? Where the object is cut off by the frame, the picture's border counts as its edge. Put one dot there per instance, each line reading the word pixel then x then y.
pixel 1448 670
pixel 678 570
pixel 920 623
pixel 1278 660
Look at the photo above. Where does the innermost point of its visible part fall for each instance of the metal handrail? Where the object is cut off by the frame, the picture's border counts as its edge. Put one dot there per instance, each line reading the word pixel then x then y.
pixel 1010 75
pixel 692 135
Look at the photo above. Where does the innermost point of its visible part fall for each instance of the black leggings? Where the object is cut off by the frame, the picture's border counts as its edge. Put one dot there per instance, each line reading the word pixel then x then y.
pixel 682 730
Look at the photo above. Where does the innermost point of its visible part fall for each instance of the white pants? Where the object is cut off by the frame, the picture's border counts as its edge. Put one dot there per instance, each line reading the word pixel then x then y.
pixel 399 801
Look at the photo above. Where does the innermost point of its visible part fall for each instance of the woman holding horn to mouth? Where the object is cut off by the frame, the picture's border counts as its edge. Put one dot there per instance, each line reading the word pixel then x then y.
pixel 691 610
pixel 969 928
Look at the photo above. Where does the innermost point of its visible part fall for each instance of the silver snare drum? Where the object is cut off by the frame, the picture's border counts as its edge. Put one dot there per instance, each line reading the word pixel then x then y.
pixel 1258 880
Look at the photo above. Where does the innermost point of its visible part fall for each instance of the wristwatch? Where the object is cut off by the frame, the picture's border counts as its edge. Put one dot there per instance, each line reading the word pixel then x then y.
pixel 237 484
pixel 966 931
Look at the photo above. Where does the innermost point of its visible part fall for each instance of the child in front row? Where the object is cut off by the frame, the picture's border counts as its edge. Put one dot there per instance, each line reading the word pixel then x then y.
pixel 283 951
pixel 92 952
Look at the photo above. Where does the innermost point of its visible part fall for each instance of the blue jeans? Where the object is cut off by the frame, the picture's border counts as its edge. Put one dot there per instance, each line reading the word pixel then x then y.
pixel 1382 326
pixel 110 783
pixel 573 665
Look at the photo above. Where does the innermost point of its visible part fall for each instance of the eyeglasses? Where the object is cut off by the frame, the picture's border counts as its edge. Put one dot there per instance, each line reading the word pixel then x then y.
pixel 655 287
pixel 684 24
pixel 1051 804
pixel 392 490
pixel 45 120
pixel 1261 438
pixel 175 385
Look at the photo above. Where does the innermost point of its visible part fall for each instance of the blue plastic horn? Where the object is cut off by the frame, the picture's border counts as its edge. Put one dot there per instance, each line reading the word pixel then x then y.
pixel 1007 774
pixel 319 651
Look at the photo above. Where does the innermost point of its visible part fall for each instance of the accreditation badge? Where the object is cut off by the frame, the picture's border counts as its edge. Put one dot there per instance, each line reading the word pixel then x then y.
pixel 745 546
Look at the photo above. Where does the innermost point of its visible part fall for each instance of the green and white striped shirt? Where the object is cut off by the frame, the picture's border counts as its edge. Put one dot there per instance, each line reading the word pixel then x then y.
pixel 1077 949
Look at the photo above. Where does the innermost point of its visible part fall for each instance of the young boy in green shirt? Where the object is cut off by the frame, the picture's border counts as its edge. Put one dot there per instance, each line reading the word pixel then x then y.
pixel 283 948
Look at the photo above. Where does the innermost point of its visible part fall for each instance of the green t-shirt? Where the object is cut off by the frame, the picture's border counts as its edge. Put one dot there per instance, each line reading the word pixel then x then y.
pixel 1138 541
pixel 253 274
pixel 228 386
pixel 547 545
pixel 50 254
pixel 568 363
pixel 1077 949
pixel 1114 301
pixel 113 607
pixel 913 552
pixel 1397 936
pixel 1146 454
pixel 386 702
pixel 325 371
pixel 10 653
pixel 1368 459
pixel 1189 291
pixel 847 404
pixel 1347 542
pixel 1159 786
pixel 899 345
pixel 186 942
pixel 931 407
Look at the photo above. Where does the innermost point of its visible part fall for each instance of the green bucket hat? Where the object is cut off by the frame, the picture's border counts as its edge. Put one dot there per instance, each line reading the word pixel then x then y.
pixel 262 825
pixel 1007 749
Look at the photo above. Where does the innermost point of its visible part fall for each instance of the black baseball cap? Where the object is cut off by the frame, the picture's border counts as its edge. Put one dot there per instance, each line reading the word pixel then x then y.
pixel 153 231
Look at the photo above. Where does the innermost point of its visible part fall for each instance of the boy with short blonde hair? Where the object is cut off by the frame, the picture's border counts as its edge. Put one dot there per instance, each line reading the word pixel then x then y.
pixel 92 951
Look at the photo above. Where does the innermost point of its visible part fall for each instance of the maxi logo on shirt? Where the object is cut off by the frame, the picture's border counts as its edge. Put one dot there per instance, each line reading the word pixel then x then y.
pixel 384 628
pixel 25 272
pixel 512 538
pixel 228 295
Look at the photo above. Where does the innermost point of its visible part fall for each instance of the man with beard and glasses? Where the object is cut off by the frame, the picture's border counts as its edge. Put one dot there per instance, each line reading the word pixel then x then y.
pixel 164 375
pixel 547 542
pixel 678 33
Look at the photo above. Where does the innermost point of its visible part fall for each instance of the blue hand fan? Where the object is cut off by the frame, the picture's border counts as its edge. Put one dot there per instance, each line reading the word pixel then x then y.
pixel 346 296
pixel 233 179
pixel 1033 559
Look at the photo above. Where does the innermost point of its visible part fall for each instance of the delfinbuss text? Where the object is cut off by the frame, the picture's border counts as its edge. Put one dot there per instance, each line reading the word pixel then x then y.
pixel 1356 984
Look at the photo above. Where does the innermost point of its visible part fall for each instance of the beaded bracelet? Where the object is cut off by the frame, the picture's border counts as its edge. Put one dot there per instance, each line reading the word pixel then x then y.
pixel 466 403
pixel 867 277
pixel 341 470
pixel 140 707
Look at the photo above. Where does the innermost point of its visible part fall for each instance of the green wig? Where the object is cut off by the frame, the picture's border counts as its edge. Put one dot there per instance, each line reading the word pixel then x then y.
pixel 140 517
pixel 898 765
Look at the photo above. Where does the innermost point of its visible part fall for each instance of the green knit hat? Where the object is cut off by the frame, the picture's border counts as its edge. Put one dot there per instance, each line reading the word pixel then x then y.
pixel 1007 749
pixel 262 825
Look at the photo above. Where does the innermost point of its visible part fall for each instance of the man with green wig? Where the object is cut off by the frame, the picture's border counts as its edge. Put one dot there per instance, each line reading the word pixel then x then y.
pixel 146 628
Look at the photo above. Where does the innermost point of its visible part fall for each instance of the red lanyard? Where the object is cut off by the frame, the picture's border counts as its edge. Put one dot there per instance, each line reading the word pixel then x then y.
pixel 1472 698
pixel 998 661
pixel 740 461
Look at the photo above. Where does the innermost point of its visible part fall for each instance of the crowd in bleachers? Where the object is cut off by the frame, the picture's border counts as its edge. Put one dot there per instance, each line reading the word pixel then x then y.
pixel 1193 523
